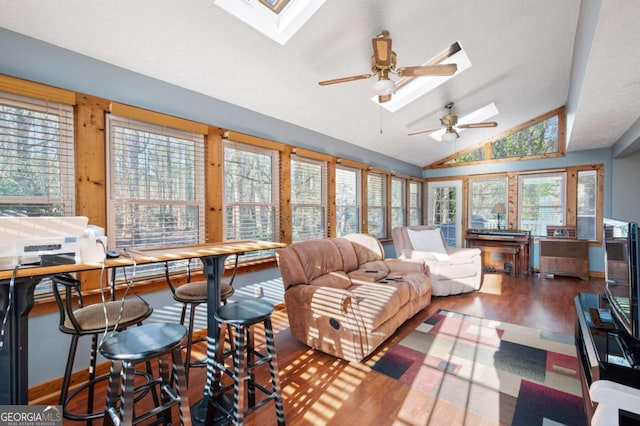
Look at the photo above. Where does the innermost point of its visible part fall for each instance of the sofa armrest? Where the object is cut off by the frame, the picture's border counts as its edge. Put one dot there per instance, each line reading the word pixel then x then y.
pixel 323 300
pixel 406 265
pixel 409 254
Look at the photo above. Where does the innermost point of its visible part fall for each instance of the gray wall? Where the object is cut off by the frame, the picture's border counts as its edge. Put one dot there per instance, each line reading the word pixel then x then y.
pixel 625 194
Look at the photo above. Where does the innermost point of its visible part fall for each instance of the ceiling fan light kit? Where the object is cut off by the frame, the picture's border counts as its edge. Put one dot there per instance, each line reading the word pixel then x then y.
pixel 449 136
pixel 384 87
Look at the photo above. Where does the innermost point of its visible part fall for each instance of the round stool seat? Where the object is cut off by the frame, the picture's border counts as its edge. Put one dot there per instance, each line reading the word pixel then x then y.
pixel 244 312
pixel 143 342
pixel 196 292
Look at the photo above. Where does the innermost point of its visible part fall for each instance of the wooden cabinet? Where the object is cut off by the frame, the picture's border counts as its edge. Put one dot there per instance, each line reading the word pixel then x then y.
pixel 564 256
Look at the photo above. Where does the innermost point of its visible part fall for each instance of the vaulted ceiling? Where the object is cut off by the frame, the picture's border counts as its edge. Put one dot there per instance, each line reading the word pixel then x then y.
pixel 528 57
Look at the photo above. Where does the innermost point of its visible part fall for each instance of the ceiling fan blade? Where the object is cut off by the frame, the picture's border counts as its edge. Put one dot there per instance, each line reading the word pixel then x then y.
pixel 477 125
pixel 382 50
pixel 345 79
pixel 385 98
pixel 444 69
pixel 419 132
pixel 400 83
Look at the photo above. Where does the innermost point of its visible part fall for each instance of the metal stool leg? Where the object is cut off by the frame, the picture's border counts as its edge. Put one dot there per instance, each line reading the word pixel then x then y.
pixel 273 371
pixel 240 373
pixel 180 380
pixel 165 376
pixel 126 397
pixel 250 354
pixel 111 413
pixel 68 370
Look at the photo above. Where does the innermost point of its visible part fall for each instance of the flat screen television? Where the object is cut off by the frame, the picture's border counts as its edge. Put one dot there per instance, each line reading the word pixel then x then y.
pixel 622 273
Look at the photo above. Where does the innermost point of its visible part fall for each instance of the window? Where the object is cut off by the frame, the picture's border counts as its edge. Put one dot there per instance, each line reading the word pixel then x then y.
pixel 377 204
pixel 541 201
pixel 398 197
pixel 415 203
pixel 445 210
pixel 251 200
pixel 348 200
pixel 587 204
pixel 308 198
pixel 487 203
pixel 37 162
pixel 541 137
pixel 155 190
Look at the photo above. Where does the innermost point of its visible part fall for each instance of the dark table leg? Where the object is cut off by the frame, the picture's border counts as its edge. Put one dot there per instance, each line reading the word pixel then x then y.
pixel 14 356
pixel 203 410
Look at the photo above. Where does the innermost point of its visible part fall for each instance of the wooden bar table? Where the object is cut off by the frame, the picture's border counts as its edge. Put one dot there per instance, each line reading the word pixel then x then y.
pixel 17 299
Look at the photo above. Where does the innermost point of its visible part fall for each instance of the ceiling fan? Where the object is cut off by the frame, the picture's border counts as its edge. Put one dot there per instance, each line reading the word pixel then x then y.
pixel 450 124
pixel 383 63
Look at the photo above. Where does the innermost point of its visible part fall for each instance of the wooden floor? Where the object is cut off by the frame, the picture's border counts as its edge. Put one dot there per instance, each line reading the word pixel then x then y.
pixel 319 389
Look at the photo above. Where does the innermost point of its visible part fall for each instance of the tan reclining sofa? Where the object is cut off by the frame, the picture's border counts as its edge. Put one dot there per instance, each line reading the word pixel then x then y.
pixel 343 298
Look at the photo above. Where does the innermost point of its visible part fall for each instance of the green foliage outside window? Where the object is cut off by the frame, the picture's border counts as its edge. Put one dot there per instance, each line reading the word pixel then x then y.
pixel 540 138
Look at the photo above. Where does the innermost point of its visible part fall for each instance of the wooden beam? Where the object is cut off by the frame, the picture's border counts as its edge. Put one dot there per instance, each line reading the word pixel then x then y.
pixel 214 191
pixel 36 90
pixel 157 118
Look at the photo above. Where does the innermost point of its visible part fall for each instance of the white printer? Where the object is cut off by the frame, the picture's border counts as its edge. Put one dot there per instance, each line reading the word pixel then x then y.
pixel 26 240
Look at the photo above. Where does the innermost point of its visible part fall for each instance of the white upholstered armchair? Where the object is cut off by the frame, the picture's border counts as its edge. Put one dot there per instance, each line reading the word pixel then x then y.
pixel 452 270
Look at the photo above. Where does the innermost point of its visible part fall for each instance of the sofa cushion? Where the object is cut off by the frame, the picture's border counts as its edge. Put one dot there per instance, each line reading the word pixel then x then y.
pixel 367 248
pixel 290 267
pixel 374 303
pixel 367 275
pixel 336 279
pixel 318 257
pixel 428 240
pixel 349 257
pixel 376 265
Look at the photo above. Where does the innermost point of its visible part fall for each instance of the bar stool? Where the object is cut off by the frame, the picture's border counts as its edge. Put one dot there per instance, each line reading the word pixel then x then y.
pixel 243 316
pixel 77 320
pixel 191 295
pixel 125 349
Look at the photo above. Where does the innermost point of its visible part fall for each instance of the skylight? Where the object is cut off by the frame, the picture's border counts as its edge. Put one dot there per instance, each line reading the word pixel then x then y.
pixel 477 116
pixel 420 86
pixel 275 6
pixel 277 19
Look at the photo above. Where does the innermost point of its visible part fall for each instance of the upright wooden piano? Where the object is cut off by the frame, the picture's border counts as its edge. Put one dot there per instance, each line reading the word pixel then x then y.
pixel 500 246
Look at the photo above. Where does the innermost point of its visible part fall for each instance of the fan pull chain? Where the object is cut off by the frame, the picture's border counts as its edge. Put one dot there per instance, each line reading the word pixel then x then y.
pixel 380 119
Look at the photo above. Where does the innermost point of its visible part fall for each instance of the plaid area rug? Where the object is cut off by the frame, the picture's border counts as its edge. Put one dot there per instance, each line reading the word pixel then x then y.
pixel 504 373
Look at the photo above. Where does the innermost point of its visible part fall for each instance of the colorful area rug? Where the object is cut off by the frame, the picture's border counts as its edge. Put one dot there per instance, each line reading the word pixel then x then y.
pixel 505 373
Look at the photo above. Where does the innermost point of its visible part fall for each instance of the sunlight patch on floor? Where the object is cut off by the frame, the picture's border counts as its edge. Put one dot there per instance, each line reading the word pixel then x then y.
pixel 492 284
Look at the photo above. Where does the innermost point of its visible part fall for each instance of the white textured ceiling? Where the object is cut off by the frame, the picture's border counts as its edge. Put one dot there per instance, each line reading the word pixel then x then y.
pixel 521 51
